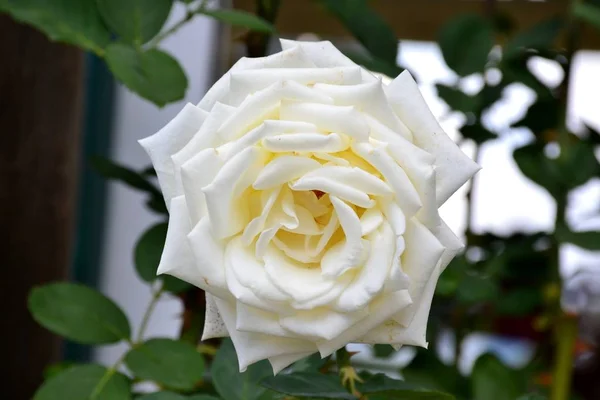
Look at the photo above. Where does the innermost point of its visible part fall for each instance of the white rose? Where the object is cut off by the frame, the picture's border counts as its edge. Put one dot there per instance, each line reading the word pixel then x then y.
pixel 303 196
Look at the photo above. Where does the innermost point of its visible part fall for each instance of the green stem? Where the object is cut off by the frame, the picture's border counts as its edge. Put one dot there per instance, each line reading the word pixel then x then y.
pixel 566 335
pixel 189 14
pixel 106 377
pixel 146 318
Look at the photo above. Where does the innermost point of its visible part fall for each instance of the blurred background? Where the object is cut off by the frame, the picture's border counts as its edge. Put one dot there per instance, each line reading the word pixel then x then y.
pixel 62 220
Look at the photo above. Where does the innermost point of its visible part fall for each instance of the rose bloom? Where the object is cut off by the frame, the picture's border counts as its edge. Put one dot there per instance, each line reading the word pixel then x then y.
pixel 303 196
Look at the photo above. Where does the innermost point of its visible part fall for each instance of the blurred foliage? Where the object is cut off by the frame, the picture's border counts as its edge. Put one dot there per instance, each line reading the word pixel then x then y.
pixel 506 285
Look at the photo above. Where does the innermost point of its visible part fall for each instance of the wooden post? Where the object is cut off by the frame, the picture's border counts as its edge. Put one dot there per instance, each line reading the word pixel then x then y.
pixel 40 111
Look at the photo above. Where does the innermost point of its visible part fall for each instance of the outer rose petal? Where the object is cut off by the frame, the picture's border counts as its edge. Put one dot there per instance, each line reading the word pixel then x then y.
pixel 293 57
pixel 453 167
pixel 324 54
pixel 214 327
pixel 253 347
pixel 168 141
pixel 177 258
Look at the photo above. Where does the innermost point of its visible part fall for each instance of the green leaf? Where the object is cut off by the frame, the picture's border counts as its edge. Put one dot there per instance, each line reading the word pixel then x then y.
pixel 515 70
pixel 148 251
pixel 532 397
pixel 367 27
pixel 174 396
pixel 308 384
pixel 477 289
pixel 84 382
pixel 539 36
pixel 153 74
pixel 230 383
pixel 172 363
pixel 76 22
pixel 450 279
pixel 58 368
pixel 492 380
pixel 519 302
pixel 384 387
pixel 135 21
pixel 456 99
pixel 536 166
pixel 427 370
pixel 78 313
pixel 383 350
pixel 587 12
pixel 174 285
pixel 542 115
pixel 112 170
pixel 477 132
pixel 587 239
pixel 466 42
pixel 311 363
pixel 389 69
pixel 239 18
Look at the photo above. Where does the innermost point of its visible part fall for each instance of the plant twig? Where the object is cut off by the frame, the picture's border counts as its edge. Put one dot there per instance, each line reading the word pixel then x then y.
pixel 146 318
pixel 566 335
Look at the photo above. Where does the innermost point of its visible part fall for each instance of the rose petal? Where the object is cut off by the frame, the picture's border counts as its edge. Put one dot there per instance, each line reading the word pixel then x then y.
pixel 340 119
pixel 282 170
pixel 208 254
pixel 168 141
pixel 253 347
pixel 291 57
pixel 214 327
pixel 453 167
pixel 380 310
pixel 371 278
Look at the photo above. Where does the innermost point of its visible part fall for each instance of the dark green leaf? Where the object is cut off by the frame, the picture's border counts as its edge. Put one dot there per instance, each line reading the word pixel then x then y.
pixel 240 18
pixel 157 204
pixel 457 99
pixel 367 27
pixel 578 164
pixel 308 384
pixel 519 302
pixel 587 12
pixel 72 21
pixel 148 250
pixel 477 133
pixel 135 21
pixel 84 381
pixel 55 369
pixel 169 362
pixel 311 363
pixel 450 279
pixel 383 350
pixel 112 170
pixel 153 74
pixel 78 313
pixel 542 115
pixel 492 380
pixel 230 383
pixel 537 167
pixel 174 285
pixel 532 397
pixel 384 387
pixel 587 239
pixel 466 42
pixel 427 370
pixel 516 70
pixel 174 396
pixel 376 65
pixel 541 35
pixel 477 289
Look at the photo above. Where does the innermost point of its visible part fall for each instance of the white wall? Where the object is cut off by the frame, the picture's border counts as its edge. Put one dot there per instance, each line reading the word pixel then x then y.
pixel 127 217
